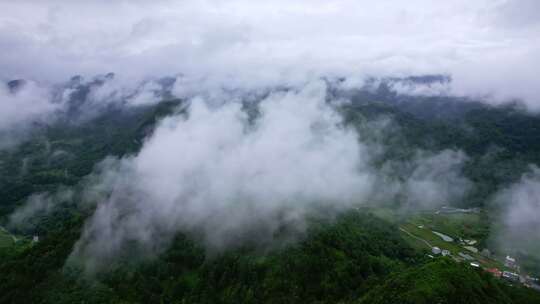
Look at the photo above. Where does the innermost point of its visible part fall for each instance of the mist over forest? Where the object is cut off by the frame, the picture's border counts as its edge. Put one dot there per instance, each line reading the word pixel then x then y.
pixel 234 152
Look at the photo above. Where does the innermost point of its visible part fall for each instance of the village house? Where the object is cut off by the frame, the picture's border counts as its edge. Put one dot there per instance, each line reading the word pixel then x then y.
pixel 511 276
pixel 510 262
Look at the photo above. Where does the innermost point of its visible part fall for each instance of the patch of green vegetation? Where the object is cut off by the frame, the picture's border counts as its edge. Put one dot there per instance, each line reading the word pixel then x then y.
pixel 472 226
pixel 415 243
pixel 388 214
pixel 422 227
pixel 338 261
pixel 33 166
pixel 357 257
pixel 444 281
pixel 6 240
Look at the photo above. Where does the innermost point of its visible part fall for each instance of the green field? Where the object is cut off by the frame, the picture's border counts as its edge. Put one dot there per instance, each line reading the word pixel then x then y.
pixel 465 225
pixel 454 248
pixel 472 226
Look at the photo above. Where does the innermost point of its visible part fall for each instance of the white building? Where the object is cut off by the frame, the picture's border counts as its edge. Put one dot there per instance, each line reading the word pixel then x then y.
pixel 510 262
pixel 436 250
pixel 510 276
pixel 465 256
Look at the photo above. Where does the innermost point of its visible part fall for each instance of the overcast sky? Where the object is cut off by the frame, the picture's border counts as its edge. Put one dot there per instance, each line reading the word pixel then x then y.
pixel 488 46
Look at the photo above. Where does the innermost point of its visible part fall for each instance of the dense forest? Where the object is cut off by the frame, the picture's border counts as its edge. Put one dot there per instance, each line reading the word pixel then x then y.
pixel 349 152
pixel 354 257
pixel 357 258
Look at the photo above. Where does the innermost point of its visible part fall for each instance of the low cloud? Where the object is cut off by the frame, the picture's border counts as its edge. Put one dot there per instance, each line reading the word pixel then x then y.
pixel 40 204
pixel 517 227
pixel 22 105
pixel 436 179
pixel 437 85
pixel 27 106
pixel 214 172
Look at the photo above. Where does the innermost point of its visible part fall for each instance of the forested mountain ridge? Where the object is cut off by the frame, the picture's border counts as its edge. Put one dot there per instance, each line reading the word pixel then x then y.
pixel 273 151
pixel 353 258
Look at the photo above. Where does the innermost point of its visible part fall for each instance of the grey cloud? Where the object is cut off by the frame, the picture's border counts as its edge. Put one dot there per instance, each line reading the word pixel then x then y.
pixel 22 107
pixel 29 105
pixel 425 181
pixel 29 102
pixel 436 180
pixel 278 41
pixel 516 229
pixel 517 14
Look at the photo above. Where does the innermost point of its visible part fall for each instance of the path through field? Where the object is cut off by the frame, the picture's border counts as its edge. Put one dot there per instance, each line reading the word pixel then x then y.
pixel 414 236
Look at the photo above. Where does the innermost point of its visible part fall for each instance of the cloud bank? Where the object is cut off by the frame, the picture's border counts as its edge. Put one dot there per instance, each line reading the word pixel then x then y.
pixel 27 106
pixel 491 48
pixel 228 179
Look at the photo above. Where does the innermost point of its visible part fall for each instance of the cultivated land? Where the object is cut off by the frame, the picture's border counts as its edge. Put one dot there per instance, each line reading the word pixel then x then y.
pixel 417 228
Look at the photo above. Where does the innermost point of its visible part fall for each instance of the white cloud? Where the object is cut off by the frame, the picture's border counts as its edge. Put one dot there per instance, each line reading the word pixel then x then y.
pixel 22 107
pixel 213 172
pixel 490 47
pixel 28 103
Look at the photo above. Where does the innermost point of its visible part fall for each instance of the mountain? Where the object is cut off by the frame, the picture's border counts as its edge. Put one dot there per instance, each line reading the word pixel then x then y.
pixel 355 256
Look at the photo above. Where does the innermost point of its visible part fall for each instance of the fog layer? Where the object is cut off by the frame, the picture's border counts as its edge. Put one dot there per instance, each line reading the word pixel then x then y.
pixel 231 180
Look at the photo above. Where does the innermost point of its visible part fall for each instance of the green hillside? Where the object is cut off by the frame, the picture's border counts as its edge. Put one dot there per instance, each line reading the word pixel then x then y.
pixel 444 281
pixel 361 257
